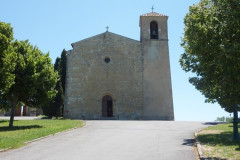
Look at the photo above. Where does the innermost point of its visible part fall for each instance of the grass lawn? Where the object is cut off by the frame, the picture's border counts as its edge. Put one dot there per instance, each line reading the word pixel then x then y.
pixel 27 130
pixel 217 142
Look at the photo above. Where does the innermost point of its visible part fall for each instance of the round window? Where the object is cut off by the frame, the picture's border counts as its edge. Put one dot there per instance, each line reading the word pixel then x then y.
pixel 106 59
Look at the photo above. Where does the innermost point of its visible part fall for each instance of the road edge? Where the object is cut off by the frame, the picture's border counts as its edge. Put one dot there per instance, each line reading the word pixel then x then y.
pixel 198 145
pixel 40 138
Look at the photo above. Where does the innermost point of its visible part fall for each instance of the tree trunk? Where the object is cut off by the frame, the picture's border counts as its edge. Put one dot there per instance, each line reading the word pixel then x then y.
pixel 13 103
pixel 12 116
pixel 235 124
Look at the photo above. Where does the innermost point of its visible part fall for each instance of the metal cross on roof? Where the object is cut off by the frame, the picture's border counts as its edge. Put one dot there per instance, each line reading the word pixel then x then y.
pixel 153 8
pixel 107 28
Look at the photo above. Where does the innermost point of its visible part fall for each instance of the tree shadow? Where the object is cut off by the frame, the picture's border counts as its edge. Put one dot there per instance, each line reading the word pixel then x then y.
pixel 14 128
pixel 3 120
pixel 213 158
pixel 188 142
pixel 222 139
pixel 52 118
pixel 211 123
pixel 231 126
pixel 238 149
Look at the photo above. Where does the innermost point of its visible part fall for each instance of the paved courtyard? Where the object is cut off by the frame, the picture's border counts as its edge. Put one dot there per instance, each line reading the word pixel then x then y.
pixel 115 140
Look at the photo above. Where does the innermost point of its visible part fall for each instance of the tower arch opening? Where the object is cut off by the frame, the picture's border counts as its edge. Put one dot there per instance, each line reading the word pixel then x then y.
pixel 153 30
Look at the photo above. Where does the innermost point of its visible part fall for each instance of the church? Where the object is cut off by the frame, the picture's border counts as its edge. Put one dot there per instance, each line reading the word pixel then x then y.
pixel 110 76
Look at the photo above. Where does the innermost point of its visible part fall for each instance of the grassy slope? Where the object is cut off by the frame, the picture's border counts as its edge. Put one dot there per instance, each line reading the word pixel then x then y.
pixel 26 130
pixel 217 142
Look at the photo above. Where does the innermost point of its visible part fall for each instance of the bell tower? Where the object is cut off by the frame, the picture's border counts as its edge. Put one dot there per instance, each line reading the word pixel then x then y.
pixel 157 88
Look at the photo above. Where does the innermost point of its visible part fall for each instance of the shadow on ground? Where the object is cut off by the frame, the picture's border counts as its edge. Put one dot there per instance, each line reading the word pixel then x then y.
pixel 2 121
pixel 14 128
pixel 188 142
pixel 214 158
pixel 211 123
pixel 222 139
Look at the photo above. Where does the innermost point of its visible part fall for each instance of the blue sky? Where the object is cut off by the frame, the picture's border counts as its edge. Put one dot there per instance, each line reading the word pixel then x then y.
pixel 53 25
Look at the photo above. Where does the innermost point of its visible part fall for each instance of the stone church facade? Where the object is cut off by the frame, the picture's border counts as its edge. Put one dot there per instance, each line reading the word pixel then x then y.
pixel 114 77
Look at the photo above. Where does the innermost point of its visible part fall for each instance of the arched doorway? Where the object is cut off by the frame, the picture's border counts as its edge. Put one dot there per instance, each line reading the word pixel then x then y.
pixel 107 106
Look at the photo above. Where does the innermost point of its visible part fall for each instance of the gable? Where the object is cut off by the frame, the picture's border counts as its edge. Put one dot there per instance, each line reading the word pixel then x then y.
pixel 106 38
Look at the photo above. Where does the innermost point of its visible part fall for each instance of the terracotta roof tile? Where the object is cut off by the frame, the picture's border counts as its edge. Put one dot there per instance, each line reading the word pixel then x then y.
pixel 153 14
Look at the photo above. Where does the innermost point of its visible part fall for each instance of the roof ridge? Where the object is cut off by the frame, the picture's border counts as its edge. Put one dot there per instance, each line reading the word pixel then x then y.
pixel 154 14
pixel 123 36
pixel 107 32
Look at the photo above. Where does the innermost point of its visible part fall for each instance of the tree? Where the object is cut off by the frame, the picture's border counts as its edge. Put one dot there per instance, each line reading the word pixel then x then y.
pixel 7 59
pixel 63 65
pixel 212 50
pixel 59 99
pixel 34 78
pixel 54 106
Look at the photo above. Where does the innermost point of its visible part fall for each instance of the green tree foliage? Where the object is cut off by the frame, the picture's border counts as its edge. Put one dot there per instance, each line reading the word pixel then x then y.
pixel 212 50
pixel 63 65
pixel 55 106
pixel 34 78
pixel 7 58
pixel 57 64
pixel 224 119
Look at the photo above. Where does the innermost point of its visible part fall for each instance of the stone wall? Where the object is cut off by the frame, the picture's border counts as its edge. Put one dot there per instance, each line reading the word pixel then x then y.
pixel 162 27
pixel 89 77
pixel 158 103
pixel 157 88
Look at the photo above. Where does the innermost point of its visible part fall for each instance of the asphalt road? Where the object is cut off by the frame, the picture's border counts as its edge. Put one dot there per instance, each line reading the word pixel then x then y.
pixel 115 140
pixel 20 117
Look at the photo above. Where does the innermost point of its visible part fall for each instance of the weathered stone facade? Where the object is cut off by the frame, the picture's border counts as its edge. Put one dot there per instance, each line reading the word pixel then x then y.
pixel 111 76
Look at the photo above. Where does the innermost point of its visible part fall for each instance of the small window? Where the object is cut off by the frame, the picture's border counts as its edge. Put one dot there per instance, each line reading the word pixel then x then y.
pixel 153 30
pixel 106 59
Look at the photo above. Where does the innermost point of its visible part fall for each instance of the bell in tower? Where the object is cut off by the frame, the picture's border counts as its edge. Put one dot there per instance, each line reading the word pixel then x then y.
pixel 153 30
pixel 153 26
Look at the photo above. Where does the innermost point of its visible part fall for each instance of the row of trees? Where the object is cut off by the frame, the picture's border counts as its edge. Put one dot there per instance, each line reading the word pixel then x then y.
pixel 27 75
pixel 55 106
pixel 224 119
pixel 212 51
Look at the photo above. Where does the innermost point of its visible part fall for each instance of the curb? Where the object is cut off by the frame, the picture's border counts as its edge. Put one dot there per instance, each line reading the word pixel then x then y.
pixel 199 147
pixel 3 150
pixel 37 139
